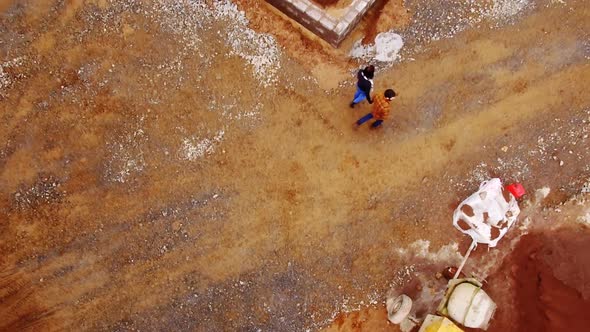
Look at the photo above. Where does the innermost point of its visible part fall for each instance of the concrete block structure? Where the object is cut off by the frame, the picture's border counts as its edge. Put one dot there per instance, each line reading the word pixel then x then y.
pixel 330 28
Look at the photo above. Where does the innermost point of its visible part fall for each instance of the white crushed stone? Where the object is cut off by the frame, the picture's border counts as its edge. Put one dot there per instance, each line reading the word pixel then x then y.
pixel 188 19
pixel 5 79
pixel 514 166
pixel 503 9
pixel 564 137
pixel 258 49
pixel 585 218
pixel 206 31
pixel 195 148
pixel 402 276
pixel 436 21
pixel 363 52
pixel 386 48
pixel 421 248
pixel 126 155
pixel 232 109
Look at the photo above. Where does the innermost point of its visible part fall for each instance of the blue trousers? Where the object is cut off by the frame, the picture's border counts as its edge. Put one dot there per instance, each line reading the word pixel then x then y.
pixel 368 117
pixel 359 95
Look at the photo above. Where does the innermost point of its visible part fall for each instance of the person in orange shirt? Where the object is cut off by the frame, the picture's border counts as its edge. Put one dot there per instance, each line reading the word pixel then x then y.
pixel 380 110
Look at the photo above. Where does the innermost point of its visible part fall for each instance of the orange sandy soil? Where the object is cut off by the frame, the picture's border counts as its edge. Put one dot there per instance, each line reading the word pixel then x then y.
pixel 147 187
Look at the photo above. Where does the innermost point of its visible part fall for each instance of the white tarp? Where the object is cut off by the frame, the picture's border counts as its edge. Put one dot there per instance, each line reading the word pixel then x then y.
pixel 487 215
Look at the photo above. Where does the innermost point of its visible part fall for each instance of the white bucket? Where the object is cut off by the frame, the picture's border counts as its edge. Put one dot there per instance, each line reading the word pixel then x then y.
pixel 470 306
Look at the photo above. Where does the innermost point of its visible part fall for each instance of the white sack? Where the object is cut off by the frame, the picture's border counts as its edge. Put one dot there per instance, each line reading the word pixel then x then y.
pixel 492 215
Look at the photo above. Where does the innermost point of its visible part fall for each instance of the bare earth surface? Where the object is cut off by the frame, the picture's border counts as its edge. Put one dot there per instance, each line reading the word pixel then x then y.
pixel 184 166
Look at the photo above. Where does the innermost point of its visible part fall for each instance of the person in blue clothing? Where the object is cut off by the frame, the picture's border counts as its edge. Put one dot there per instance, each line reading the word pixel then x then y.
pixel 364 85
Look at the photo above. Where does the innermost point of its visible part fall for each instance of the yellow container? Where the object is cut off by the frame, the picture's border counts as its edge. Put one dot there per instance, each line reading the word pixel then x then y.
pixel 434 323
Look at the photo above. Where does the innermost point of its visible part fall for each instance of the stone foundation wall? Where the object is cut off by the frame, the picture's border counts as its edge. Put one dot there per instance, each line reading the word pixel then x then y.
pixel 317 20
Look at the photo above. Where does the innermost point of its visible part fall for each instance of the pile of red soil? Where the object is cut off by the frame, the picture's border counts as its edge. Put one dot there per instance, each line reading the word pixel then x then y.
pixel 544 285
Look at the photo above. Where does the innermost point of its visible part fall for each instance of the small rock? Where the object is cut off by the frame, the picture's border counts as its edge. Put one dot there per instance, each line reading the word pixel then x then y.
pixel 449 272
pixel 438 275
pixel 176 226
pixel 542 193
pixel 561 163
pixel 504 148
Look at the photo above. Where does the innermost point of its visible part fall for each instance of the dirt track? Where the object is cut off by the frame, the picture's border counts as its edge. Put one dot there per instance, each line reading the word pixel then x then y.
pixel 152 178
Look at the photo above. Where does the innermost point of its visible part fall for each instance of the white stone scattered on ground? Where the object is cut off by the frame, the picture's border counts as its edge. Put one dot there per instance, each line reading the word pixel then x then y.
pixel 504 9
pixel 385 49
pixel 585 218
pixel 186 19
pixel 420 248
pixel 5 79
pixel 260 50
pixel 195 148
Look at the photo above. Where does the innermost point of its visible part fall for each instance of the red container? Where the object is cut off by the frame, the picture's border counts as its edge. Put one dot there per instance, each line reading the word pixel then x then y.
pixel 516 189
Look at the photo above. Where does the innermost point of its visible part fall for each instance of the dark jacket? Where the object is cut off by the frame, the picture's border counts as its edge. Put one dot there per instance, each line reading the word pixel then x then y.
pixel 365 83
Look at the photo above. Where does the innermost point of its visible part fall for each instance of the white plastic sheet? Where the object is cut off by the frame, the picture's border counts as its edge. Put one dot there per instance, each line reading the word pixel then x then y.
pixel 487 215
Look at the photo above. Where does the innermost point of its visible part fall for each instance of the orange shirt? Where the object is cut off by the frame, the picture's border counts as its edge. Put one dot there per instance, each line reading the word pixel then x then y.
pixel 380 106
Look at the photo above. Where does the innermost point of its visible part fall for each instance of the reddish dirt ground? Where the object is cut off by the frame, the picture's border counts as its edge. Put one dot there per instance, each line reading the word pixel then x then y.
pixel 547 280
